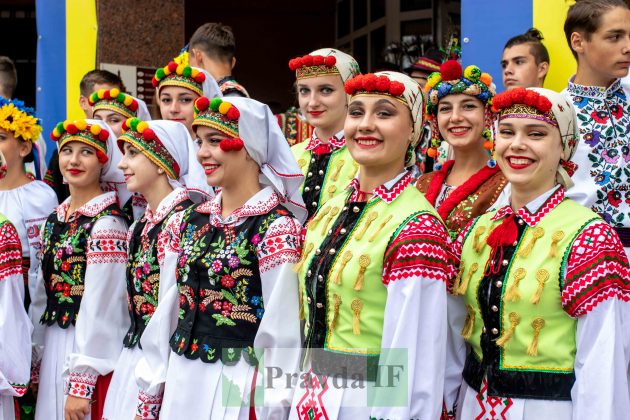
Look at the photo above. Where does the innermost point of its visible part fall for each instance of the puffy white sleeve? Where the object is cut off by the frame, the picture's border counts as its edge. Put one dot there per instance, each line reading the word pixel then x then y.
pixel 279 330
pixel 151 370
pixel 15 326
pixel 39 207
pixel 597 293
pixel 103 318
pixel 418 264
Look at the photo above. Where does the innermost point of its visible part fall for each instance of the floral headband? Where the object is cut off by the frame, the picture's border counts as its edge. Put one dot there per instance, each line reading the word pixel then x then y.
pixel 138 133
pixel 91 134
pixel 114 100
pixel 180 75
pixel 19 119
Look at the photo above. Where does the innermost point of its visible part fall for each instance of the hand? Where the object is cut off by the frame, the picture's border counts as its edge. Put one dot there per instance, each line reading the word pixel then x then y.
pixel 137 418
pixel 76 408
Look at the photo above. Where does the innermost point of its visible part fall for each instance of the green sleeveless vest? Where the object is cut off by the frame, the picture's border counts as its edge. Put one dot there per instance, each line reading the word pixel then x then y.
pixel 340 171
pixel 536 334
pixel 355 293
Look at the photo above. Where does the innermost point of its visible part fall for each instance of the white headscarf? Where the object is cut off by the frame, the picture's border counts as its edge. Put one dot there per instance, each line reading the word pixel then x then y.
pixel 175 137
pixel 265 143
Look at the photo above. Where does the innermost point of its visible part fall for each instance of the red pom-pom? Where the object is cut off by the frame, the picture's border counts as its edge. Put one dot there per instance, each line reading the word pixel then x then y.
pixel 226 145
pixel 349 87
pixel 202 103
pixel 517 96
pixel 233 113
pixel 106 95
pixel 294 64
pixel 155 82
pixel 172 66
pixel 307 60
pixel 72 129
pixel 102 157
pixel 125 127
pixel 148 134
pixel 369 82
pixel 451 70
pixel 103 135
pixel 396 88
pixel 200 78
pixel 318 60
pixel 330 61
pixel 237 144
pixel 543 104
pixel 52 137
pixel 383 83
pixel 134 106
pixel 531 98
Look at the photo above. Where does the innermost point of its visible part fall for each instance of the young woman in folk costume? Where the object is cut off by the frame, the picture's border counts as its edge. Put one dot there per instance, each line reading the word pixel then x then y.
pixel 458 106
pixel 25 202
pixel 155 164
pixel 15 326
pixel 177 87
pixel 373 271
pixel 236 289
pixel 79 308
pixel 544 290
pixel 114 107
pixel 324 160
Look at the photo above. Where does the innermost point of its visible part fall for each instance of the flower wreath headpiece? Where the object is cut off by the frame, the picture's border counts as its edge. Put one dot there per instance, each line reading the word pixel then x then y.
pixel 19 119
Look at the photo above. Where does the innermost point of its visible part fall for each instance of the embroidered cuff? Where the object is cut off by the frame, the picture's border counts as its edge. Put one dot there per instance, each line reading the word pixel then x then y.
pixel 19 389
pixel 81 385
pixel 148 406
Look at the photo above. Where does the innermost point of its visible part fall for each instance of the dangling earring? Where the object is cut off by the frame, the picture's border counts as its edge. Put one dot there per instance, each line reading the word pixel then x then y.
pixel 160 171
pixel 488 143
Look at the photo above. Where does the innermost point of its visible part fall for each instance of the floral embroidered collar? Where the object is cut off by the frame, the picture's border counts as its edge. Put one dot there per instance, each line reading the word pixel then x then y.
pixel 166 205
pixel 596 92
pixel 335 142
pixel 261 203
pixel 387 192
pixel 535 210
pixel 89 209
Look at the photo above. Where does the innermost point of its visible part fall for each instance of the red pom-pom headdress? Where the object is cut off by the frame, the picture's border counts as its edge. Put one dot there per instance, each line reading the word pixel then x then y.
pixel 371 83
pixel 114 100
pixel 218 114
pixel 313 66
pixel 523 102
pixel 174 74
pixel 138 133
pixel 79 130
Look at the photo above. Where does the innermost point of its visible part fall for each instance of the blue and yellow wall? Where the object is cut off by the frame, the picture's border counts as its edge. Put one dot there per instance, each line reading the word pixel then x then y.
pixel 488 24
pixel 66 50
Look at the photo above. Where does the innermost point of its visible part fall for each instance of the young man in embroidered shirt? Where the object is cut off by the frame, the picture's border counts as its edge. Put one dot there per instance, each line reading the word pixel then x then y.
pixel 598 32
pixel 212 48
pixel 525 60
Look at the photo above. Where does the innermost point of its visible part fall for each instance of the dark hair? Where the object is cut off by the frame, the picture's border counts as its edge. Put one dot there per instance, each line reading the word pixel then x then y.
pixel 216 40
pixel 8 75
pixel 585 17
pixel 100 77
pixel 534 38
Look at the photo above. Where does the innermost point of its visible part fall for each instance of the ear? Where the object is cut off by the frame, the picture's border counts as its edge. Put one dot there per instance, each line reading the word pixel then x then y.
pixel 198 57
pixel 233 62
pixel 543 68
pixel 577 42
pixel 25 148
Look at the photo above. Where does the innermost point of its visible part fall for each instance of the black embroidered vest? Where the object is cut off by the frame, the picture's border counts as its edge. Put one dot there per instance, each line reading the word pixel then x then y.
pixel 143 275
pixel 220 294
pixel 64 261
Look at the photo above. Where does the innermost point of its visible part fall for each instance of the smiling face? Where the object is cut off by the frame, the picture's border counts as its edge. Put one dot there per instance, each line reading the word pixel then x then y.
pixel 176 104
pixel 223 169
pixel 113 119
pixel 378 131
pixel 323 102
pixel 460 119
pixel 520 68
pixel 140 173
pixel 529 152
pixel 79 165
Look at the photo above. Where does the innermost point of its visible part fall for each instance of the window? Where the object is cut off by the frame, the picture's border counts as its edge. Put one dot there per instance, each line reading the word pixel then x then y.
pixel 343 18
pixel 359 12
pixel 411 5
